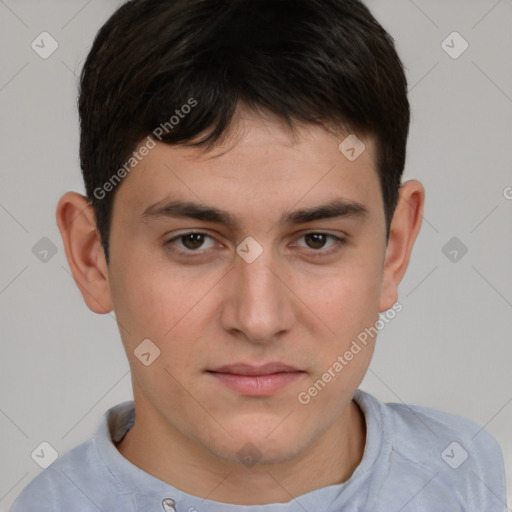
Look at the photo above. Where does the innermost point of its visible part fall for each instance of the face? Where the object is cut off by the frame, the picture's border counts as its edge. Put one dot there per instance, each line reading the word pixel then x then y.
pixel 268 287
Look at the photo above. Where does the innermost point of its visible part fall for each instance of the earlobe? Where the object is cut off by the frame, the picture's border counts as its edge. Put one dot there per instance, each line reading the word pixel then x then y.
pixel 404 230
pixel 77 225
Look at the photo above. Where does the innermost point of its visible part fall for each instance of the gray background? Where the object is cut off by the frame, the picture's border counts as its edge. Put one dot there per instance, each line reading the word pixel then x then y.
pixel 62 366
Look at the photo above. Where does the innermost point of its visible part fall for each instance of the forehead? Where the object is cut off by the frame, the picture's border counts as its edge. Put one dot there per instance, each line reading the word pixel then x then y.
pixel 260 164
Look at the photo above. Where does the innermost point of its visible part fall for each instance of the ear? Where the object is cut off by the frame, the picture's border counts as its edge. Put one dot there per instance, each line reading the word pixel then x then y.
pixel 404 229
pixel 77 225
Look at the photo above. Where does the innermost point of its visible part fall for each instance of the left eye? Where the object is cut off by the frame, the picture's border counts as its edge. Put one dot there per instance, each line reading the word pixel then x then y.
pixel 317 240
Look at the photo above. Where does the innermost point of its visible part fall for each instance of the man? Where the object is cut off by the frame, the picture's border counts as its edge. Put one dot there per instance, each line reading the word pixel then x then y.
pixel 246 220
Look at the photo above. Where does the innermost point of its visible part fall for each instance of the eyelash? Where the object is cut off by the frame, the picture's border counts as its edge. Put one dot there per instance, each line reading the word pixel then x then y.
pixel 316 253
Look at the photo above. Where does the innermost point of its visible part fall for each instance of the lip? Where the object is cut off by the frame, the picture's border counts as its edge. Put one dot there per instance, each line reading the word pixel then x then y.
pixel 251 380
pixel 249 369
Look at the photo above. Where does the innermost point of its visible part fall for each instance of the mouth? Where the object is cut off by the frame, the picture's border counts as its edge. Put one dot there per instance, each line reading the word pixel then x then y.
pixel 252 380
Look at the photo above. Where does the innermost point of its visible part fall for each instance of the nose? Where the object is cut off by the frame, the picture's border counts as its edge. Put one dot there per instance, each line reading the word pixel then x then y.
pixel 259 302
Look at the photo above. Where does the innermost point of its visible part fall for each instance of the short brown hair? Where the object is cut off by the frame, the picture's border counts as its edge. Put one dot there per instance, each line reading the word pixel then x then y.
pixel 326 62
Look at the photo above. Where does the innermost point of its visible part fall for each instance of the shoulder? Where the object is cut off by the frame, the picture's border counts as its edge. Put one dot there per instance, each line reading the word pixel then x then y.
pixel 461 439
pixel 55 484
pixel 78 480
pixel 454 454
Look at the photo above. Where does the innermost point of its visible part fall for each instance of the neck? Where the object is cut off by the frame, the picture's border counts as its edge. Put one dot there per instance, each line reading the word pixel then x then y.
pixel 330 459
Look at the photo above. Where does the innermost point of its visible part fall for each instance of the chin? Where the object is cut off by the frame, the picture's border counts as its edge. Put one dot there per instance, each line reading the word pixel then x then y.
pixel 251 454
pixel 258 447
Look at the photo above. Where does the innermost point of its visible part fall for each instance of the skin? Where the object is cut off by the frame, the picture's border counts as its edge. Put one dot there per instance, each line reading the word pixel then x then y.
pixel 218 309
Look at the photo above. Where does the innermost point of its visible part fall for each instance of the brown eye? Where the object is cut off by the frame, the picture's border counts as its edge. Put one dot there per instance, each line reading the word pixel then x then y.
pixel 190 242
pixel 315 240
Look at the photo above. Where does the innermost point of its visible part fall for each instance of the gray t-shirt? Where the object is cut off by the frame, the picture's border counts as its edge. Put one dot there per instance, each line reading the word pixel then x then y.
pixel 416 459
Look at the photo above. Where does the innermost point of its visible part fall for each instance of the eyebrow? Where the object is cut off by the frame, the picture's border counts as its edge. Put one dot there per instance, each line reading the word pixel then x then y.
pixel 337 208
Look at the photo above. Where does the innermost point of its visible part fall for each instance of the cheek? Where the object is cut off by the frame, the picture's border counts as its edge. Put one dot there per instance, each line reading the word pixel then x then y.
pixel 148 303
pixel 166 305
pixel 347 299
pixel 163 308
